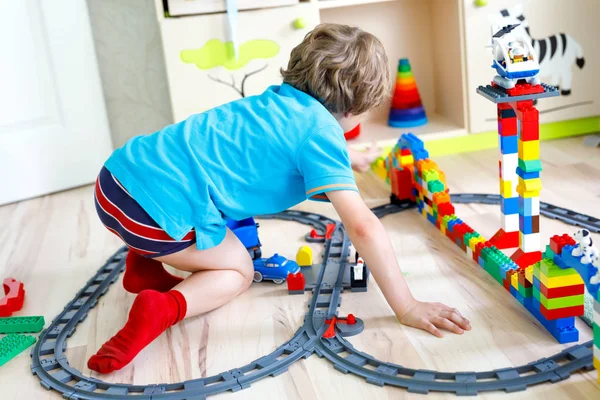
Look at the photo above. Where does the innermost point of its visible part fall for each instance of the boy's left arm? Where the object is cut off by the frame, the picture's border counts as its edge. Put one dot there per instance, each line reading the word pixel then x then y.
pixel 371 241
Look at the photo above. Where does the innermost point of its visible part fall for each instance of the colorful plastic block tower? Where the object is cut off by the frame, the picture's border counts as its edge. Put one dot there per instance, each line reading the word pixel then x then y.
pixel 519 169
pixel 407 109
pixel 13 298
pixel 21 324
pixel 13 344
pixel 554 296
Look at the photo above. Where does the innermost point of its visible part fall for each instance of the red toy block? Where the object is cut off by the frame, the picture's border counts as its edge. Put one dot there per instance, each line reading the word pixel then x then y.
pixel 558 242
pixel 350 319
pixel 508 280
pixel 565 291
pixel 505 240
pixel 14 297
pixel 565 312
pixel 525 88
pixel 507 126
pixel 445 209
pixel 405 152
pixel 528 114
pixel 530 130
pixel 524 260
pixel 330 332
pixel 296 281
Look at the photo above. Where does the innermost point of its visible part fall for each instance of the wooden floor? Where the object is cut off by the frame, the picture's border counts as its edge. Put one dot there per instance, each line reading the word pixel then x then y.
pixel 55 243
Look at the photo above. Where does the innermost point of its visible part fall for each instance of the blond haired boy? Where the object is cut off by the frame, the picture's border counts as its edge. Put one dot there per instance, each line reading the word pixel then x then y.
pixel 162 193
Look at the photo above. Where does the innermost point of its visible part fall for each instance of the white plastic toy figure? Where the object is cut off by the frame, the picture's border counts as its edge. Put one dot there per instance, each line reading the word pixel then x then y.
pixel 513 57
pixel 596 263
pixel 359 269
pixel 584 240
pixel 588 254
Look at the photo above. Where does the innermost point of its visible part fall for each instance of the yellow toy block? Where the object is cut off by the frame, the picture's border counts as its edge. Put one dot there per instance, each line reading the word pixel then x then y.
pixel 514 281
pixel 304 257
pixel 529 150
pixel 560 281
pixel 424 213
pixel 442 229
pixel 529 273
pixel 407 160
pixel 530 185
pixel 506 189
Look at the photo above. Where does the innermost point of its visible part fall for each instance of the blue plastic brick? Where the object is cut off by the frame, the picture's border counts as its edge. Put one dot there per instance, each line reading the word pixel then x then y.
pixel 585 270
pixel 508 144
pixel 527 175
pixel 431 219
pixel 510 205
pixel 481 262
pixel 526 224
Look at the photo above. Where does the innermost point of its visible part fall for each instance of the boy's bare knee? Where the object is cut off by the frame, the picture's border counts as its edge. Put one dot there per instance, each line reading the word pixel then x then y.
pixel 247 272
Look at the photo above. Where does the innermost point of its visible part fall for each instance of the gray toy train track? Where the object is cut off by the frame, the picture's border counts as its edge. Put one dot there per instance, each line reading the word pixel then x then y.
pixel 51 365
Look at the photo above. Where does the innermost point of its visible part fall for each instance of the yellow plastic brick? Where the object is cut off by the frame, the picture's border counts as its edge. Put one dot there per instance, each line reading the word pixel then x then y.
pixel 514 281
pixel 506 189
pixel 529 273
pixel 529 150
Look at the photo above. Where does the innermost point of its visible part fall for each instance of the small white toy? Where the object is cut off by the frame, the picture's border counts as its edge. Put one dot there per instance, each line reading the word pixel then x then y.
pixel 584 240
pixel 359 269
pixel 589 253
pixel 596 263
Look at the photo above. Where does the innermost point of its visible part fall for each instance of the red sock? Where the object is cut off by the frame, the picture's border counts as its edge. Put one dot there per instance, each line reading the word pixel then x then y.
pixel 143 273
pixel 151 314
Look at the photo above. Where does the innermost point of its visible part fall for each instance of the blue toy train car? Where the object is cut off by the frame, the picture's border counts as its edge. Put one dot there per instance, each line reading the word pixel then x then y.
pixel 247 231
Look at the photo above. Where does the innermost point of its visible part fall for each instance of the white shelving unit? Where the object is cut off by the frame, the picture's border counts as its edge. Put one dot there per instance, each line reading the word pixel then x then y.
pixel 427 32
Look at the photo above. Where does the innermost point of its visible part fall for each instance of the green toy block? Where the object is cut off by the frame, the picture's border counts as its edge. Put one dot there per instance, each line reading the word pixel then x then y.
pixel 561 302
pixel 551 270
pixel 526 292
pixel 530 165
pixel 431 175
pixel 435 186
pixel 12 344
pixel 21 324
pixel 549 254
pixel 597 334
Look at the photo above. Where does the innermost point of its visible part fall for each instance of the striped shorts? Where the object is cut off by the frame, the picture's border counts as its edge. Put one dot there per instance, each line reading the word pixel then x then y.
pixel 124 217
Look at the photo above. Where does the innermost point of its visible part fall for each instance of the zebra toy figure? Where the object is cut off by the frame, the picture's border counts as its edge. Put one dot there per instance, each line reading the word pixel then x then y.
pixel 556 54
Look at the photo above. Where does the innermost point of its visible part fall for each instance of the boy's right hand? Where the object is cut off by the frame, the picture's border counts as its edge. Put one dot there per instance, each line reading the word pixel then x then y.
pixel 431 316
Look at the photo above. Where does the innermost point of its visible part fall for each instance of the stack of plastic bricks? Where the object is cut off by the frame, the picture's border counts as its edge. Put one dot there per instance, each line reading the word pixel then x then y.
pixel 529 186
pixel 407 109
pixel 508 235
pixel 564 259
pixel 433 201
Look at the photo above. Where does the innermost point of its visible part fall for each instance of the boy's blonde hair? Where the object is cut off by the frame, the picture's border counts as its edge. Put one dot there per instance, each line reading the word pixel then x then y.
pixel 343 67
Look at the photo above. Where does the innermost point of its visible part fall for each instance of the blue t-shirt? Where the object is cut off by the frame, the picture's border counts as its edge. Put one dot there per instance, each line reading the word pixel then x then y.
pixel 258 155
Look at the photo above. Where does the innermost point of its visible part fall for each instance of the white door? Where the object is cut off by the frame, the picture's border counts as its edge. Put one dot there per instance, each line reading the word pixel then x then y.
pixel 53 126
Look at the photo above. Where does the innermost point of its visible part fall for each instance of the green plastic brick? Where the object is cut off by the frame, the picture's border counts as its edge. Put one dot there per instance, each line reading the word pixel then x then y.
pixel 21 324
pixel 13 344
pixel 551 270
pixel 549 254
pixel 561 302
pixel 530 165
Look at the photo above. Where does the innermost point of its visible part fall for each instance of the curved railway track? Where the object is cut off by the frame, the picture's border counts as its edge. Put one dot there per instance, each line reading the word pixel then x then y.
pixel 51 365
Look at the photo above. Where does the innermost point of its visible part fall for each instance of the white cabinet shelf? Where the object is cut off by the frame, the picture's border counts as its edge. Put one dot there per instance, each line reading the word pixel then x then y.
pixel 323 4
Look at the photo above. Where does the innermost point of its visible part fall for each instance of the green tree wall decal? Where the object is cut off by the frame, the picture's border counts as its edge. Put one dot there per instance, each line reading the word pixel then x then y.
pixel 216 53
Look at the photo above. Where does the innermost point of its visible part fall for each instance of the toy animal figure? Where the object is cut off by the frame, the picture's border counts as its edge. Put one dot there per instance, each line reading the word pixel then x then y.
pixel 596 263
pixel 584 240
pixel 589 253
pixel 556 54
